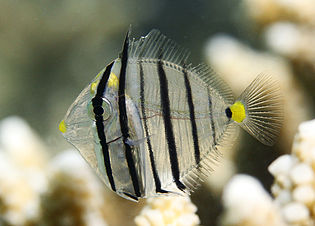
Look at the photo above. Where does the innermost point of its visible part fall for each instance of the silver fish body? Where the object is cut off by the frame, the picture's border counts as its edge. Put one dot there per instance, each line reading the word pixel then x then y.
pixel 150 124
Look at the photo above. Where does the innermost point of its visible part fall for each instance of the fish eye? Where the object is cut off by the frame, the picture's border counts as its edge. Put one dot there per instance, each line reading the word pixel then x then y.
pixel 104 110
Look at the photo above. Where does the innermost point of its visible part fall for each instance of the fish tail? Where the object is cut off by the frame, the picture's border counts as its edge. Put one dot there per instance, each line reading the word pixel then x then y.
pixel 259 109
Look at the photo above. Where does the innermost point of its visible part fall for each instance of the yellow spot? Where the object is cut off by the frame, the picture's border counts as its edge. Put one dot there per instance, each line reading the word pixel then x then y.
pixel 62 126
pixel 94 84
pixel 93 87
pixel 238 111
pixel 113 81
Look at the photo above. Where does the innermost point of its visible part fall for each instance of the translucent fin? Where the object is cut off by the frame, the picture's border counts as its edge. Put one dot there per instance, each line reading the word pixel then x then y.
pixel 157 46
pixel 264 109
pixel 193 177
pixel 209 76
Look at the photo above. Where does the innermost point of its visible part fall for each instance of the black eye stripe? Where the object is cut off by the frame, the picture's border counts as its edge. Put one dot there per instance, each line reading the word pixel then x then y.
pixel 98 110
pixel 97 101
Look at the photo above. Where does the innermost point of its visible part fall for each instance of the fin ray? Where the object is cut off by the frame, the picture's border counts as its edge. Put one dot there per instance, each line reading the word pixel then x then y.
pixel 209 160
pixel 209 76
pixel 155 45
pixel 264 113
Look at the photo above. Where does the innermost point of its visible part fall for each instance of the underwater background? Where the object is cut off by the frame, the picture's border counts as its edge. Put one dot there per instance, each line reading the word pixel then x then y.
pixel 50 50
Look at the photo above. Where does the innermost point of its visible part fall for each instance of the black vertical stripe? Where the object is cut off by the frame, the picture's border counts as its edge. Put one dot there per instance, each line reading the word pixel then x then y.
pixel 131 196
pixel 146 130
pixel 124 120
pixel 192 117
pixel 98 110
pixel 211 117
pixel 165 104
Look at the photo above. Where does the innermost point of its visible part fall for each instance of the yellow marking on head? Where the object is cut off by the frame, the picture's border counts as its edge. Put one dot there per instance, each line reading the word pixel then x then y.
pixel 62 126
pixel 94 84
pixel 238 111
pixel 93 87
pixel 113 81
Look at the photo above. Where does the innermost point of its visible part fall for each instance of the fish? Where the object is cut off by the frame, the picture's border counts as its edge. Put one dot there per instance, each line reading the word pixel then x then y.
pixel 152 124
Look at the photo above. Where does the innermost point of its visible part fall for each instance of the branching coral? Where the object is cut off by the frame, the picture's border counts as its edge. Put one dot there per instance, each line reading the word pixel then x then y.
pixel 22 160
pixel 74 195
pixel 288 28
pixel 294 187
pixel 269 11
pixel 292 41
pixel 247 203
pixel 171 210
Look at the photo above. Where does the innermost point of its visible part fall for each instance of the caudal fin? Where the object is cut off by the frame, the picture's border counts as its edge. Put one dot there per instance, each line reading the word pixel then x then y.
pixel 260 109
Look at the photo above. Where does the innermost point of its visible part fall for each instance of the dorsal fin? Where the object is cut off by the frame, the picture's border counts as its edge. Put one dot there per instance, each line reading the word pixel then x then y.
pixel 210 77
pixel 194 176
pixel 155 46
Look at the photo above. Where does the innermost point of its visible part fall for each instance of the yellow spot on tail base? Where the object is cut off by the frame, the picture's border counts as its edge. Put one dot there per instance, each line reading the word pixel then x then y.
pixel 113 81
pixel 62 126
pixel 238 111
